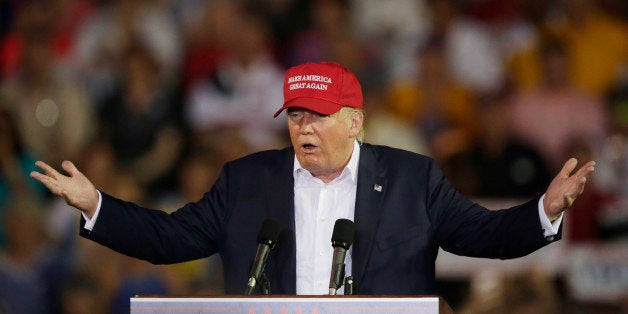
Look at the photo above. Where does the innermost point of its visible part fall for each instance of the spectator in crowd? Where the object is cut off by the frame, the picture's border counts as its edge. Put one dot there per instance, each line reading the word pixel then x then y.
pixel 515 29
pixel 524 292
pixel 30 267
pixel 80 294
pixel 596 42
pixel 196 172
pixel 138 277
pixel 107 34
pixel 14 164
pixel 331 37
pixel 557 112
pixel 392 129
pixel 497 165
pixel 141 119
pixel 53 113
pixel 62 19
pixel 284 19
pixel 245 86
pixel 397 30
pixel 442 110
pixel 329 28
pixel 470 51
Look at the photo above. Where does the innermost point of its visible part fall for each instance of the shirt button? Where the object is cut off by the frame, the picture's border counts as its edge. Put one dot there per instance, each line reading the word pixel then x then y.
pixel 321 253
pixel 324 219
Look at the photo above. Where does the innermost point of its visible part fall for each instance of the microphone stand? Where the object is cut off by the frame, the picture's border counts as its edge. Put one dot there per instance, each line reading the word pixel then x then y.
pixel 265 284
pixel 349 285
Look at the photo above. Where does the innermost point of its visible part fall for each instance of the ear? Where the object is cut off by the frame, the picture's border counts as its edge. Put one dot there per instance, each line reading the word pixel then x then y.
pixel 355 126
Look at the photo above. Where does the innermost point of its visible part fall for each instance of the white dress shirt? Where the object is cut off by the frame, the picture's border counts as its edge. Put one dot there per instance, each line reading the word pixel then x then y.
pixel 317 206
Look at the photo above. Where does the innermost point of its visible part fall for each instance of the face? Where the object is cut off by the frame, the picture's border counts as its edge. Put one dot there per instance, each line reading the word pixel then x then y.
pixel 323 144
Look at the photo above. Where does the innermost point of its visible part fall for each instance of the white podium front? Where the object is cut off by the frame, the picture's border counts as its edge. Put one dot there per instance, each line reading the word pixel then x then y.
pixel 290 304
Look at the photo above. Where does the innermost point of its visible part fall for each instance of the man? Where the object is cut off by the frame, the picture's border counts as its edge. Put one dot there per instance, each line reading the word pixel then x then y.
pixel 403 207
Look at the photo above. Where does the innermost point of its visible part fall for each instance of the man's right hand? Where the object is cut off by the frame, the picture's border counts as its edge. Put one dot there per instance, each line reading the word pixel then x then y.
pixel 76 189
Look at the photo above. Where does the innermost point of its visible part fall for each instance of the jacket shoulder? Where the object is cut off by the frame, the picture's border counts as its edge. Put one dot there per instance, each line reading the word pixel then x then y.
pixel 395 155
pixel 265 158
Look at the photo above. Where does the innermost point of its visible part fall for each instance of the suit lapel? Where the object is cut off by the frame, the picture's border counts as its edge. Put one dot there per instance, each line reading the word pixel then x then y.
pixel 370 193
pixel 279 192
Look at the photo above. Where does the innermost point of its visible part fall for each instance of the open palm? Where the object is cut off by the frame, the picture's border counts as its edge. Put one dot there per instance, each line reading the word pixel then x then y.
pixel 566 187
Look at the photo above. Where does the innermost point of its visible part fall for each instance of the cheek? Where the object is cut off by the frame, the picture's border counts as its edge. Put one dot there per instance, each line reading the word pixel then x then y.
pixel 293 133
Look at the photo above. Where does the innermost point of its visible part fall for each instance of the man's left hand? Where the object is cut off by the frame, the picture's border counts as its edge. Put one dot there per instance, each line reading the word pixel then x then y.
pixel 566 187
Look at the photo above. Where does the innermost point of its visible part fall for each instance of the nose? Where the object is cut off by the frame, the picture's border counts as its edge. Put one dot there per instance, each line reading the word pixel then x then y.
pixel 305 125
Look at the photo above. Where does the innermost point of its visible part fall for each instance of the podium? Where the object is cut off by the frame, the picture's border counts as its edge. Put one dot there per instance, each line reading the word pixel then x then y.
pixel 290 304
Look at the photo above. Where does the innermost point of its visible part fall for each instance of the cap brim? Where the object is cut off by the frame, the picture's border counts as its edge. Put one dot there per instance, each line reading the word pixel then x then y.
pixel 317 105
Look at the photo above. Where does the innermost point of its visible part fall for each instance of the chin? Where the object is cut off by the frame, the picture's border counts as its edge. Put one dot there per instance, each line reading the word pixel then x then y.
pixel 312 167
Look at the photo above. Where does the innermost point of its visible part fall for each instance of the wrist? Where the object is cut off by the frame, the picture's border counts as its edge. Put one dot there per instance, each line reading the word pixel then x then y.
pixel 551 216
pixel 91 209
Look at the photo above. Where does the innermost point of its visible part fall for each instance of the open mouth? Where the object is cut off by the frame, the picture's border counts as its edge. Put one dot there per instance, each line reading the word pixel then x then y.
pixel 308 147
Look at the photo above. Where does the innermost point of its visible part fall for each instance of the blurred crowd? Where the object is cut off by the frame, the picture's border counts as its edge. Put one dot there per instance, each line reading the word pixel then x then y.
pixel 150 97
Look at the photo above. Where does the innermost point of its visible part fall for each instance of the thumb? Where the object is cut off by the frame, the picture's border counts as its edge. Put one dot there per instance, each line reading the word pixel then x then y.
pixel 70 168
pixel 568 168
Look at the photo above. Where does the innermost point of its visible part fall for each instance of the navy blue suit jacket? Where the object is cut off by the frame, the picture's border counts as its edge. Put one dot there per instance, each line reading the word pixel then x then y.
pixel 399 227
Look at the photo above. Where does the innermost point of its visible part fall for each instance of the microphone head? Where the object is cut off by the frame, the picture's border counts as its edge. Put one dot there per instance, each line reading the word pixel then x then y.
pixel 269 232
pixel 343 233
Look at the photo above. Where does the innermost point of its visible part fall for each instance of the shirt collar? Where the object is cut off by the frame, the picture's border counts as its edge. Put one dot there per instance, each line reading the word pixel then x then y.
pixel 352 166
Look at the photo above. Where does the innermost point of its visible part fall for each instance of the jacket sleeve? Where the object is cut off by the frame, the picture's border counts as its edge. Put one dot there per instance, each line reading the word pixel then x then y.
pixel 189 233
pixel 466 228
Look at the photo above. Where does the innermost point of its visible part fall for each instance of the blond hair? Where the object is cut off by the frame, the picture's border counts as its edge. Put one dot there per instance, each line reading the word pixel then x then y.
pixel 350 112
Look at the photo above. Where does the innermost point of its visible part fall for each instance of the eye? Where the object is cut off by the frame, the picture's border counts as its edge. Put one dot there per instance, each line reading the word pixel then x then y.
pixel 295 114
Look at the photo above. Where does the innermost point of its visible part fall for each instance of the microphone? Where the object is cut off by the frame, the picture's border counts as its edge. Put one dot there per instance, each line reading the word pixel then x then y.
pixel 266 239
pixel 341 240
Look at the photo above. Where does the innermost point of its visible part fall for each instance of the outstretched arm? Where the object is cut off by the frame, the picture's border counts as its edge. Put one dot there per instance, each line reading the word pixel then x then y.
pixel 76 189
pixel 566 187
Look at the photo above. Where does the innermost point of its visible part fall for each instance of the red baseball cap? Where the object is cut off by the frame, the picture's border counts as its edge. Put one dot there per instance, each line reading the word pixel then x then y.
pixel 323 87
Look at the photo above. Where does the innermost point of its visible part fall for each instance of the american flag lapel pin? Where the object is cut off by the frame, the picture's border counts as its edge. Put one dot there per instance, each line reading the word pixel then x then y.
pixel 377 188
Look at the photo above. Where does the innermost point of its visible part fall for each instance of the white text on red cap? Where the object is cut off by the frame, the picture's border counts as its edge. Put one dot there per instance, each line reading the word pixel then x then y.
pixel 309 78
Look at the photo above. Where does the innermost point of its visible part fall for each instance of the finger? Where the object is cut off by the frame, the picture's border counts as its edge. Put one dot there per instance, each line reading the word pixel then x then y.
pixel 51 172
pixel 70 168
pixel 37 176
pixel 48 182
pixel 569 166
pixel 586 170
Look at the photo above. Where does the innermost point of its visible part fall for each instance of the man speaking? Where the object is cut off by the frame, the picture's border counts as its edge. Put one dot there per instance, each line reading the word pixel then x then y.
pixel 403 207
